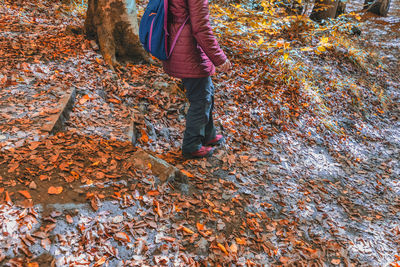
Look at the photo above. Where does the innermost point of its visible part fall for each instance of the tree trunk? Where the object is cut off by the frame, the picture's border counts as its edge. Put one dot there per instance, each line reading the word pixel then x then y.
pixel 113 23
pixel 324 9
pixel 340 9
pixel 379 7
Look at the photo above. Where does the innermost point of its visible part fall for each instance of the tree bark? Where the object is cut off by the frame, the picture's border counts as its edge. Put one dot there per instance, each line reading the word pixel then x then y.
pixel 324 9
pixel 113 24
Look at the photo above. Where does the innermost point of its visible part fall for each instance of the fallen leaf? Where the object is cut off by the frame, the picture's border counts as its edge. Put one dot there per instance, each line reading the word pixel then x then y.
pixel 69 219
pixel 55 190
pixel 234 248
pixel 46 243
pixel 121 236
pixel 240 241
pixel 84 99
pixel 25 193
pixel 7 198
pixel 284 260
pixel 101 261
pixel 188 174
pixel 335 261
pixel 200 227
pixel 153 193
pixel 157 208
pixel 187 230
pixel 222 247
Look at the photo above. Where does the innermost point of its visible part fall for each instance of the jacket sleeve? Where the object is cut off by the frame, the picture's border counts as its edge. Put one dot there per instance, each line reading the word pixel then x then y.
pixel 201 28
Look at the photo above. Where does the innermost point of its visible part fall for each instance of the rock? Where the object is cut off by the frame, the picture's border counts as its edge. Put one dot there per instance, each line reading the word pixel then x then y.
pixel 160 85
pixel 56 122
pixel 171 88
pixel 226 196
pixel 164 132
pixel 151 132
pixel 202 246
pixel 220 225
pixel 32 185
pixel 162 169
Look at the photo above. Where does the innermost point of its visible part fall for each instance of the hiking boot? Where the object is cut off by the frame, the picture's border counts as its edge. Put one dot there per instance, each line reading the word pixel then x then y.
pixel 219 139
pixel 203 152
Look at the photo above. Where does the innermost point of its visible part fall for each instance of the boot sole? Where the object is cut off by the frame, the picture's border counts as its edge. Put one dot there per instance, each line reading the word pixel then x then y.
pixel 190 156
pixel 219 142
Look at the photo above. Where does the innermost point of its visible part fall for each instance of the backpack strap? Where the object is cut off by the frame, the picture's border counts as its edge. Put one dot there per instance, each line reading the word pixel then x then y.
pixel 177 36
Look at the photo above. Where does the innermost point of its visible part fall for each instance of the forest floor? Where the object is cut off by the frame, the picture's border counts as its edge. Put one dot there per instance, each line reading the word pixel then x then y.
pixel 305 178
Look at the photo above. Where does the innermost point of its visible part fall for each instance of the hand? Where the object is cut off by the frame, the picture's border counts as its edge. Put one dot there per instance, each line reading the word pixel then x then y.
pixel 225 67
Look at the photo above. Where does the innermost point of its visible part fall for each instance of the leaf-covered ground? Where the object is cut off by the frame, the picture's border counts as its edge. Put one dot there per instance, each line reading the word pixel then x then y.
pixel 309 174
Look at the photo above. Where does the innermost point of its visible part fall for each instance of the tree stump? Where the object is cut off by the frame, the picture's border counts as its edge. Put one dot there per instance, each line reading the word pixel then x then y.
pixel 113 24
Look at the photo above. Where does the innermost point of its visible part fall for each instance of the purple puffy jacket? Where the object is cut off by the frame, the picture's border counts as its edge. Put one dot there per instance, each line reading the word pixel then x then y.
pixel 196 52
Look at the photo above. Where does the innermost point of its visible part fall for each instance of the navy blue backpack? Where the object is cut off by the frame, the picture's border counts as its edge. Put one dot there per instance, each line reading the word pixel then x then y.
pixel 153 29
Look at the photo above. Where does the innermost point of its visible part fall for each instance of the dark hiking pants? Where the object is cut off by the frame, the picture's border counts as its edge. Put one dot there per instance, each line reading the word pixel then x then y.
pixel 199 120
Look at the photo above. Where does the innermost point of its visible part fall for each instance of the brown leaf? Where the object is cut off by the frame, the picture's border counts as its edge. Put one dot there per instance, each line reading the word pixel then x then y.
pixel 234 248
pixel 40 234
pixel 101 261
pixel 121 236
pixel 46 243
pixel 157 208
pixel 69 219
pixel 94 204
pixel 284 260
pixel 55 190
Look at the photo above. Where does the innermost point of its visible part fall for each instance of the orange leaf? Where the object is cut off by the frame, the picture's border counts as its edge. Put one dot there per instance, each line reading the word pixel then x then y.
pixel 241 241
pixel 234 248
pixel 55 190
pixel 200 227
pixel 101 261
pixel 115 101
pixel 25 193
pixel 223 248
pixel 187 230
pixel 84 99
pixel 121 236
pixel 144 138
pixel 157 208
pixel 153 193
pixel 188 174
pixel 335 261
pixel 7 198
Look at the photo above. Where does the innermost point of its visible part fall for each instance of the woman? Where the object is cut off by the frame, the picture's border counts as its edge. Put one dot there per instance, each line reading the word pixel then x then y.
pixel 194 58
